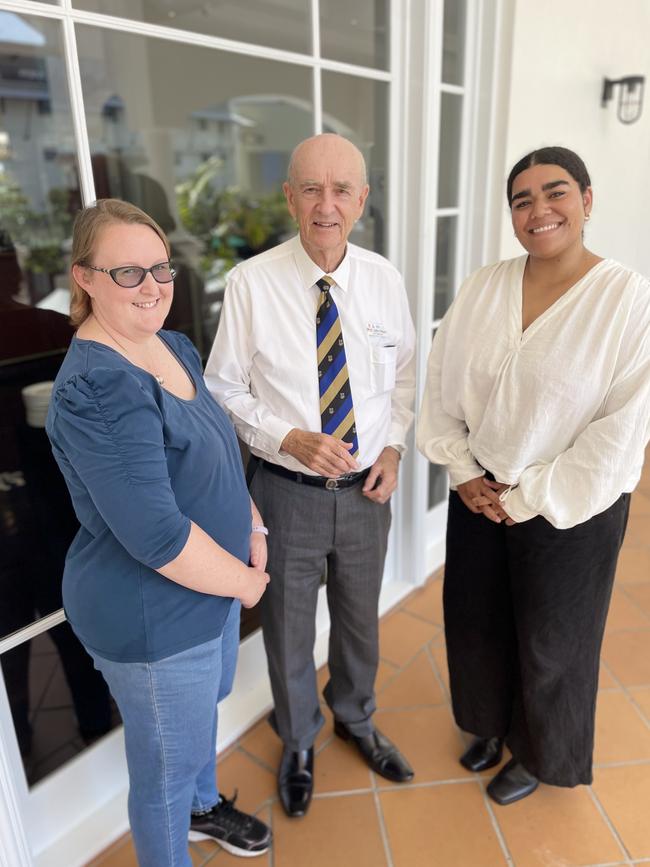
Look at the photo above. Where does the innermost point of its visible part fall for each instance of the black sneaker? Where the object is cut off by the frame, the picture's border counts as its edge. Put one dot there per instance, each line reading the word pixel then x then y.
pixel 237 832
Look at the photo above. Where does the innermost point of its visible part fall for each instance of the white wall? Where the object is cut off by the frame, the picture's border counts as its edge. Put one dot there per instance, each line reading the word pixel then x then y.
pixel 561 52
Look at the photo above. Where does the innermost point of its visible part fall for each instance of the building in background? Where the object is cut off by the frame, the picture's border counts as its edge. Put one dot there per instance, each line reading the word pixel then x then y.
pixel 191 111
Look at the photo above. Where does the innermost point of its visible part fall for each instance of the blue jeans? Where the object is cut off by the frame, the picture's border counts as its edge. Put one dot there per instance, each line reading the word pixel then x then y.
pixel 169 710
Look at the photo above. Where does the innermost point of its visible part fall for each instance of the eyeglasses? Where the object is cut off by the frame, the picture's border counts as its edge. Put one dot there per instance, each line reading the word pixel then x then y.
pixel 130 276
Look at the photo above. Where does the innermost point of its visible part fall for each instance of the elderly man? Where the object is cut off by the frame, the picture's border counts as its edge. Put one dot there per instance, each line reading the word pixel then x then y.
pixel 313 361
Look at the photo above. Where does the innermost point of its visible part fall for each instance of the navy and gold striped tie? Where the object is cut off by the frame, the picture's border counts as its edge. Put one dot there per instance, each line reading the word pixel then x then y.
pixel 336 407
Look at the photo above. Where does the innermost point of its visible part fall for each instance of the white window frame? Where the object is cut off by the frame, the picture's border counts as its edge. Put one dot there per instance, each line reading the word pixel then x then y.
pixel 483 125
pixel 79 809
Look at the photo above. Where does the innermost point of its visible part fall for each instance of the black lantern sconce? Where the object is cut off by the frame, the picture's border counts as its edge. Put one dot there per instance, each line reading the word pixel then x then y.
pixel 630 96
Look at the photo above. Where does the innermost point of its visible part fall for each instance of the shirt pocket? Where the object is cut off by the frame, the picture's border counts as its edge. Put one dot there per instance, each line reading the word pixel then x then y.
pixel 383 359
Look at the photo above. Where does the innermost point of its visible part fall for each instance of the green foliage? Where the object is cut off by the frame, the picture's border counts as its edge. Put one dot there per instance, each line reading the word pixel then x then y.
pixel 231 224
pixel 45 259
pixel 40 233
pixel 15 212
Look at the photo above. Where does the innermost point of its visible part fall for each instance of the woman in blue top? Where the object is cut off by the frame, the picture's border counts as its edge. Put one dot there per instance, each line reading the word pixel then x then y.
pixel 155 576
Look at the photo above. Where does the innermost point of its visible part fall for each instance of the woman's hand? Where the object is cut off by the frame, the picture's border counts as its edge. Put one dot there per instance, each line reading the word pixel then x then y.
pixel 253 586
pixel 258 553
pixel 481 496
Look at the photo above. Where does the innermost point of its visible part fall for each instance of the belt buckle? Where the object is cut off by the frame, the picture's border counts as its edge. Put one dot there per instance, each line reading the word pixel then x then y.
pixel 332 484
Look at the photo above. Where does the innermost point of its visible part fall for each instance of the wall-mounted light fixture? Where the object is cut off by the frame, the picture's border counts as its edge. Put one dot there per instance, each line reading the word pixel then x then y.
pixel 630 96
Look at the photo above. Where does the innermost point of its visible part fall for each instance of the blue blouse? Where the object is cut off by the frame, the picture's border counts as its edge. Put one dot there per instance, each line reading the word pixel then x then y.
pixel 140 463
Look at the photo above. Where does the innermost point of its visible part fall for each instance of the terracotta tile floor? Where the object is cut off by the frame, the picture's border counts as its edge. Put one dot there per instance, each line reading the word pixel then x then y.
pixel 444 818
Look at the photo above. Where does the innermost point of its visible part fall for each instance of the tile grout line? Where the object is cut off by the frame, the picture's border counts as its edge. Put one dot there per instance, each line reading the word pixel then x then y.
pixel 255 759
pixel 622 588
pixel 630 629
pixel 495 825
pixel 422 618
pixel 610 825
pixel 382 825
pixel 410 707
pixel 612 864
pixel 441 683
pixel 402 665
pixel 625 689
pixel 272 850
pixel 623 764
pixel 400 669
pixel 393 677
pixel 430 784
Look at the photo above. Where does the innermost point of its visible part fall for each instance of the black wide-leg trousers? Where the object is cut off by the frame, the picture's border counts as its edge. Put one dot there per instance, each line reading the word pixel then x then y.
pixel 525 609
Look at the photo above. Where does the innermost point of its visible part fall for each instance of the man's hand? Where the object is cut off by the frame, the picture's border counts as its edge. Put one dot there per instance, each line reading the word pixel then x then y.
pixel 322 453
pixel 382 478
pixel 258 553
pixel 481 496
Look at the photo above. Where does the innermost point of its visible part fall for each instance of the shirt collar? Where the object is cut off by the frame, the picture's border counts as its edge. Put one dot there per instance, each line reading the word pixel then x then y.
pixel 310 272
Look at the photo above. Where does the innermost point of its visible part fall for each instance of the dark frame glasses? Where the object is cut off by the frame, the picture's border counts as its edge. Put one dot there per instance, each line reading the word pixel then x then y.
pixel 130 276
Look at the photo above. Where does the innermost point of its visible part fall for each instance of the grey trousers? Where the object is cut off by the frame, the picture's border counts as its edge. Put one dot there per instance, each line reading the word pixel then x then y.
pixel 313 531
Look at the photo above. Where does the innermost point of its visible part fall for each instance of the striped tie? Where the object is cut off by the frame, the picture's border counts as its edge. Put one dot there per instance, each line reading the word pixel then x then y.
pixel 336 408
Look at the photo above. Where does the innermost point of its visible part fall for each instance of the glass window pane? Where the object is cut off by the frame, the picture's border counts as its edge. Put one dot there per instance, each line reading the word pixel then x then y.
pixel 39 194
pixel 453 42
pixel 355 31
pixel 358 109
pixel 438 480
pixel 205 154
pixel 278 23
pixel 438 486
pixel 451 115
pixel 59 702
pixel 445 265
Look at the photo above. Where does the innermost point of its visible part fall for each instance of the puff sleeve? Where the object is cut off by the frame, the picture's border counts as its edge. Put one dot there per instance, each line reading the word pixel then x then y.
pixel 109 429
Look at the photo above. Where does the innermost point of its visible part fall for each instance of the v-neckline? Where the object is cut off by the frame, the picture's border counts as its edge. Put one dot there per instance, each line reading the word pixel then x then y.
pixel 524 333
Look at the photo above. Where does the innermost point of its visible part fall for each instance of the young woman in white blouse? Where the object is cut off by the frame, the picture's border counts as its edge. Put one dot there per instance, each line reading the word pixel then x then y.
pixel 537 402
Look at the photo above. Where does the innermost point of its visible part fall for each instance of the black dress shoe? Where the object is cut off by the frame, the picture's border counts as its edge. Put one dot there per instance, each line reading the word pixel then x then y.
pixel 296 780
pixel 512 783
pixel 482 754
pixel 380 754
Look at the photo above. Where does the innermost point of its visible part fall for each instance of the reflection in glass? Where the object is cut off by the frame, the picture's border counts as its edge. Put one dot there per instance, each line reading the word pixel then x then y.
pixel 453 42
pixel 445 287
pixel 451 108
pixel 438 486
pixel 39 194
pixel 279 23
pixel 205 154
pixel 355 31
pixel 59 703
pixel 358 109
pixel 38 171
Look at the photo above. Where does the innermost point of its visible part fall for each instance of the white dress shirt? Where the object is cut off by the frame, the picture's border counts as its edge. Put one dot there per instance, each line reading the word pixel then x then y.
pixel 263 367
pixel 560 412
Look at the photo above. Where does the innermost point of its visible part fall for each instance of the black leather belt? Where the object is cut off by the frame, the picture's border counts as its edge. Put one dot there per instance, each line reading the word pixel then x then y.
pixel 346 481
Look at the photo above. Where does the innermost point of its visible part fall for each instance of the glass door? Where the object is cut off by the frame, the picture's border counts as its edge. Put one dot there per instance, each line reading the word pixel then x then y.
pixel 192 114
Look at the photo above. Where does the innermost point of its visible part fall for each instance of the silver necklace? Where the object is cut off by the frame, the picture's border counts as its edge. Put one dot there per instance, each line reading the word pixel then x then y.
pixel 159 379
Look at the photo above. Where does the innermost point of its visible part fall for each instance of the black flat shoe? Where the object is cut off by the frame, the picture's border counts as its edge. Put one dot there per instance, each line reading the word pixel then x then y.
pixel 484 753
pixel 512 783
pixel 296 781
pixel 379 753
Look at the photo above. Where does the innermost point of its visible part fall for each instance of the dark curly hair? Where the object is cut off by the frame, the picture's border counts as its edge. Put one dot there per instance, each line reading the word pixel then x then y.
pixel 551 156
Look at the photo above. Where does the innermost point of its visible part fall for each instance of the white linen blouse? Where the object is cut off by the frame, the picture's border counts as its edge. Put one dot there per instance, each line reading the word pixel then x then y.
pixel 561 411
